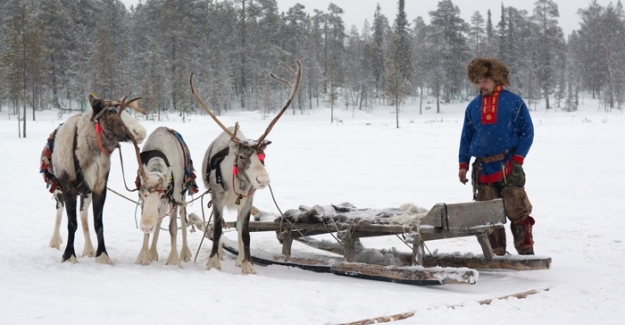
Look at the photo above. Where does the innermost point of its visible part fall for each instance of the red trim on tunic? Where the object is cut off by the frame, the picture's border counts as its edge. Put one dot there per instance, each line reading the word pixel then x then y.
pixel 489 106
pixel 464 166
pixel 518 159
pixel 492 178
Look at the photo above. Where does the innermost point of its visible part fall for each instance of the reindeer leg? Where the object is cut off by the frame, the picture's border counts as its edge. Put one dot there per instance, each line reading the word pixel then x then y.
pixel 239 262
pixel 213 261
pixel 102 256
pixel 72 225
pixel 56 240
pixel 174 258
pixel 247 267
pixel 144 257
pixel 85 202
pixel 153 250
pixel 185 252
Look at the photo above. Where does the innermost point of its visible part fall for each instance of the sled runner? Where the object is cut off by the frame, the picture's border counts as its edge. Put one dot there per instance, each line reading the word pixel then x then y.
pixel 416 225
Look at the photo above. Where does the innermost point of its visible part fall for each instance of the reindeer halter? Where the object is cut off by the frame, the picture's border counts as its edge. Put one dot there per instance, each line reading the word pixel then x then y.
pixel 108 104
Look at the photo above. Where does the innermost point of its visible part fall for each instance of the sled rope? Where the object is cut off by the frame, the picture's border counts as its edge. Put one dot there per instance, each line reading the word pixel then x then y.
pixel 282 214
pixel 121 160
pixel 125 197
pixel 206 223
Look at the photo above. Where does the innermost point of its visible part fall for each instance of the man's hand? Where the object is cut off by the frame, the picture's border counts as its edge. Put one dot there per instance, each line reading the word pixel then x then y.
pixel 462 175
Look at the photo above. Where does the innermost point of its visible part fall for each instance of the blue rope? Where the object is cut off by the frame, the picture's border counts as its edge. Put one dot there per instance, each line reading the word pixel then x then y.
pixel 136 208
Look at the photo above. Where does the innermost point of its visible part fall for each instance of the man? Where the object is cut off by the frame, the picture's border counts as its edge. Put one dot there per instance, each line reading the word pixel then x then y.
pixel 498 132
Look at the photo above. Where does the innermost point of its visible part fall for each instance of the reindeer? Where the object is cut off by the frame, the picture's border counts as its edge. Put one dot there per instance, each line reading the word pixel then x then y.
pixel 165 175
pixel 76 162
pixel 231 149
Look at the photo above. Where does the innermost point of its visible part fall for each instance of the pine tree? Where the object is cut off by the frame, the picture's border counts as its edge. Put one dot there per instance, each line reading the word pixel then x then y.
pixel 419 58
pixel 454 53
pixel 23 57
pixel 476 35
pixel 397 84
pixel 378 48
pixel 490 36
pixel 548 46
pixel 401 31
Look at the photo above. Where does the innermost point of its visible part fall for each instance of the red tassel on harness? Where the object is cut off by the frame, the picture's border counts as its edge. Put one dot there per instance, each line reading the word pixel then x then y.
pixel 261 157
pixel 235 170
pixel 98 128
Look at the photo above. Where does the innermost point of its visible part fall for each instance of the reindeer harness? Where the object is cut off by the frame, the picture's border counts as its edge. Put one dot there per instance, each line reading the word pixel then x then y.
pixel 189 175
pixel 239 165
pixel 46 167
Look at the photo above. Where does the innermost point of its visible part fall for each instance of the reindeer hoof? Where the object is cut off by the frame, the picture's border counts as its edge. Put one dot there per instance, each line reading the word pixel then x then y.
pixel 213 263
pixel 55 242
pixel 143 258
pixel 103 259
pixel 154 255
pixel 185 254
pixel 72 260
pixel 88 252
pixel 173 259
pixel 248 268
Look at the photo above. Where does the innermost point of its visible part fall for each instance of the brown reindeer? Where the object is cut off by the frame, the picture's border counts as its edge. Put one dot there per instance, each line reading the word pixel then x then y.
pixel 76 163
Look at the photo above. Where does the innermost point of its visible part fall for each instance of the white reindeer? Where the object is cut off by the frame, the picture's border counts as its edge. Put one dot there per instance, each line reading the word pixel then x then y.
pixel 231 150
pixel 166 174
pixel 76 162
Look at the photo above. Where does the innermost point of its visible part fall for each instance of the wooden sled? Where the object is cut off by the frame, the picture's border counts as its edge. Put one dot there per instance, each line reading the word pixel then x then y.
pixel 348 224
pixel 397 274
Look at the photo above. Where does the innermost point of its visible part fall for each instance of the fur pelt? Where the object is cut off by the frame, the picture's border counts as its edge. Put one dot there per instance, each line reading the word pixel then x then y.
pixel 488 68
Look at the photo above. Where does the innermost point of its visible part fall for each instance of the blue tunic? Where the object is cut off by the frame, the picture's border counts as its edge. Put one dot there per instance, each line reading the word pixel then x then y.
pixel 513 134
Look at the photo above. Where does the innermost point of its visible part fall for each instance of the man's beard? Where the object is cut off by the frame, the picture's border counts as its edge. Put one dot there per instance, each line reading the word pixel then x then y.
pixel 485 92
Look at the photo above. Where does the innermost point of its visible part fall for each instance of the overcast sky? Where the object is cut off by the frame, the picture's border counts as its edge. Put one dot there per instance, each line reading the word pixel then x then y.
pixel 356 11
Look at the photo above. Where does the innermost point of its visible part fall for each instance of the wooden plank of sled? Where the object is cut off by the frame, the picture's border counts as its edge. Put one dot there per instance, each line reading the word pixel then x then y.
pixel 406 274
pixel 459 216
pixel 325 228
pixel 510 262
pixel 316 263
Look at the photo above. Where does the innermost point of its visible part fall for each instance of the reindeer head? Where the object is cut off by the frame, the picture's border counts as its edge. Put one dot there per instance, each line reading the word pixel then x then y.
pixel 115 123
pixel 155 193
pixel 249 161
pixel 249 155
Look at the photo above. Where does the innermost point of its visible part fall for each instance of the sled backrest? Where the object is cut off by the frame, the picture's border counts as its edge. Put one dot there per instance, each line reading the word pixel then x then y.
pixel 464 216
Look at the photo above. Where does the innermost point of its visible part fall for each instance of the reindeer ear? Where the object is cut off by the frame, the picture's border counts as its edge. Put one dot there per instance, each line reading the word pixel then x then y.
pixel 97 104
pixel 234 147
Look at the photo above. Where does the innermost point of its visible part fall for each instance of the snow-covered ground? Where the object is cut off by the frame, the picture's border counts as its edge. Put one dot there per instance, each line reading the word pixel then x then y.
pixel 575 181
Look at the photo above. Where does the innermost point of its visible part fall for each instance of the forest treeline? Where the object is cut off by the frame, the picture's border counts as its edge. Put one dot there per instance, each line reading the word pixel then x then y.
pixel 53 53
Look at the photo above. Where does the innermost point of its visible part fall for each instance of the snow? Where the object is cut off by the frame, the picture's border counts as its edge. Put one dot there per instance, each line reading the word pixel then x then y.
pixel 575 182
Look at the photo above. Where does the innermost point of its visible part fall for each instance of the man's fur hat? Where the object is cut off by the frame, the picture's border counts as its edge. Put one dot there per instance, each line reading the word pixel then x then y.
pixel 488 68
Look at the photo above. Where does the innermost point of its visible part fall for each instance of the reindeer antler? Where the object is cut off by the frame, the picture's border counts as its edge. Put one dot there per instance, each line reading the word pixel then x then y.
pixel 141 170
pixel 233 136
pixel 297 75
pixel 133 103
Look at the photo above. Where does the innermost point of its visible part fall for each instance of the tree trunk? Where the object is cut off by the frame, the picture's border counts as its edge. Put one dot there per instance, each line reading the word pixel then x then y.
pixel 243 62
pixel 174 100
pixel 438 102
pixel 397 111
pixel 420 100
pixel 24 85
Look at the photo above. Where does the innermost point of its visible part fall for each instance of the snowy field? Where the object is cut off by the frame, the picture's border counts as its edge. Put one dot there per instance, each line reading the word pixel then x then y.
pixel 575 181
